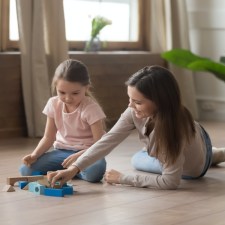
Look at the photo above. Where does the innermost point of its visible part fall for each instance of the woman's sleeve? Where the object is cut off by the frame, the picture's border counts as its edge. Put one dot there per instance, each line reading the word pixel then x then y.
pixel 108 142
pixel 169 179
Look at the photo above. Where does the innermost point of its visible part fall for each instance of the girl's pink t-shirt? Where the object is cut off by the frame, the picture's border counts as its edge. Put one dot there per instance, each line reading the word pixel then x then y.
pixel 73 129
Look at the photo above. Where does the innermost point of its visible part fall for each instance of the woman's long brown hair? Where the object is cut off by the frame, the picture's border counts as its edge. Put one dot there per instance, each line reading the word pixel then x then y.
pixel 173 123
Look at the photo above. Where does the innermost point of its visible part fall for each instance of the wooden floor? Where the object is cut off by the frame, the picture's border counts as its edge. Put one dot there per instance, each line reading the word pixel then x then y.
pixel 200 202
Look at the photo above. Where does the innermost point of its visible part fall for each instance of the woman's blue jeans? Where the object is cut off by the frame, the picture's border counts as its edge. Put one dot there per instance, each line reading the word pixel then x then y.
pixel 143 162
pixel 52 160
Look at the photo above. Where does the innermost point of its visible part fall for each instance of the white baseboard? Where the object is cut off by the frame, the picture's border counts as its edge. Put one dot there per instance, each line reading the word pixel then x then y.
pixel 211 109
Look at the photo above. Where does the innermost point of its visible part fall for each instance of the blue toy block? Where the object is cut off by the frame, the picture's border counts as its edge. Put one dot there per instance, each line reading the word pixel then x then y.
pixel 35 173
pixel 54 192
pixel 67 190
pixel 59 192
pixel 22 184
pixel 36 188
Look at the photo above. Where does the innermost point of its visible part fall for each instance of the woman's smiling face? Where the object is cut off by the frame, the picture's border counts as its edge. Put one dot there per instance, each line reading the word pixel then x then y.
pixel 142 106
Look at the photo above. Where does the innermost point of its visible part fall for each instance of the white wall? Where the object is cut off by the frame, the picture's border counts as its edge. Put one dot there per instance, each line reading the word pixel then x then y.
pixel 207 38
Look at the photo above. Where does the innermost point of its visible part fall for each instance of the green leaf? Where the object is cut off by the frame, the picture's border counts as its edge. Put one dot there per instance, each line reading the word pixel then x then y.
pixel 98 23
pixel 218 69
pixel 180 57
pixel 186 59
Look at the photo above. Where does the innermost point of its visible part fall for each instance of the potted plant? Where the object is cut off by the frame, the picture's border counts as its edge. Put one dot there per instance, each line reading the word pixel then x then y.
pixel 186 59
pixel 98 23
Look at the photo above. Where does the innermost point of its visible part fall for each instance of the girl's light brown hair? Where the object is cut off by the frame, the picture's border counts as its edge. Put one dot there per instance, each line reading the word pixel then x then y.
pixel 73 71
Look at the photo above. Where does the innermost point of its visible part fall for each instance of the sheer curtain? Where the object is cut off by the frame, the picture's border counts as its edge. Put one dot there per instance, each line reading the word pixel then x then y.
pixel 43 46
pixel 169 29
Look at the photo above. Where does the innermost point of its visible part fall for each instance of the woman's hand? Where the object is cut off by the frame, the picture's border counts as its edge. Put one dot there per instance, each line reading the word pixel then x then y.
pixel 62 175
pixel 112 177
pixel 29 159
pixel 70 159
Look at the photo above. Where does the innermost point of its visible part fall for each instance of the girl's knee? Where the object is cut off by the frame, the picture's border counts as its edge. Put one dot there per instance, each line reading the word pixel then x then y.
pixel 25 170
pixel 95 172
pixel 93 178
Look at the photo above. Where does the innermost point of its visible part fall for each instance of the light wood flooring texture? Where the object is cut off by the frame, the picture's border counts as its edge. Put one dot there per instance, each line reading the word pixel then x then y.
pixel 200 202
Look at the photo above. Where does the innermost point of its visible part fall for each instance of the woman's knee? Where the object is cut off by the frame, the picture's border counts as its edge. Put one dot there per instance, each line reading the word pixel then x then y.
pixel 137 159
pixel 143 162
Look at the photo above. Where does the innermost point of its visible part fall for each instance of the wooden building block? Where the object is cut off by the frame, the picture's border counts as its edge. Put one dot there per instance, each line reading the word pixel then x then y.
pixel 26 187
pixel 13 180
pixel 44 182
pixel 8 188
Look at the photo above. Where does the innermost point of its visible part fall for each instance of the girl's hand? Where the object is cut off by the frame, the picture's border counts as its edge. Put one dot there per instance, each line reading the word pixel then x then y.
pixel 69 160
pixel 29 159
pixel 112 177
pixel 62 175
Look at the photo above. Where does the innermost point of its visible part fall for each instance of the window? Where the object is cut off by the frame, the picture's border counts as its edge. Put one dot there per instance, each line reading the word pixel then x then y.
pixel 121 34
pixel 8 26
pixel 125 32
pixel 122 13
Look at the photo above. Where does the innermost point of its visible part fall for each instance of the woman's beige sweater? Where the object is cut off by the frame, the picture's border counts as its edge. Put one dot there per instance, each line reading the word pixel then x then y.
pixel 190 162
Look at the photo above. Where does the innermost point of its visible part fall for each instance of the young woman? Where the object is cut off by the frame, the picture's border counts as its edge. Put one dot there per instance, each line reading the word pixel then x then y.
pixel 175 146
pixel 74 123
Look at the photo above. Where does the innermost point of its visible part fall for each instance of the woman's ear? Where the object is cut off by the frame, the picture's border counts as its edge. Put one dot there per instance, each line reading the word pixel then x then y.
pixel 87 87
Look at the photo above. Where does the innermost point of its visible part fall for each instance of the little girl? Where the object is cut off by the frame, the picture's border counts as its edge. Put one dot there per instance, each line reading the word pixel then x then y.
pixel 74 123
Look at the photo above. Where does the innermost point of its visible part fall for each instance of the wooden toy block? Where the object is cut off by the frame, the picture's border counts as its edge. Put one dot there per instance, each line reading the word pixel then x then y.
pixel 44 182
pixel 54 192
pixel 8 188
pixel 22 184
pixel 26 187
pixel 36 188
pixel 13 180
pixel 57 185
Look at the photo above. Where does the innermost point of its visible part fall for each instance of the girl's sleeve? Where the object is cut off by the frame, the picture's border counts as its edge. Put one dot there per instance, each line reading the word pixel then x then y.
pixel 108 142
pixel 48 109
pixel 169 179
pixel 93 113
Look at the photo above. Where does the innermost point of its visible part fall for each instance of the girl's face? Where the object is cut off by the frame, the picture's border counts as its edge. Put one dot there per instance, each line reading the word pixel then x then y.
pixel 142 106
pixel 71 93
